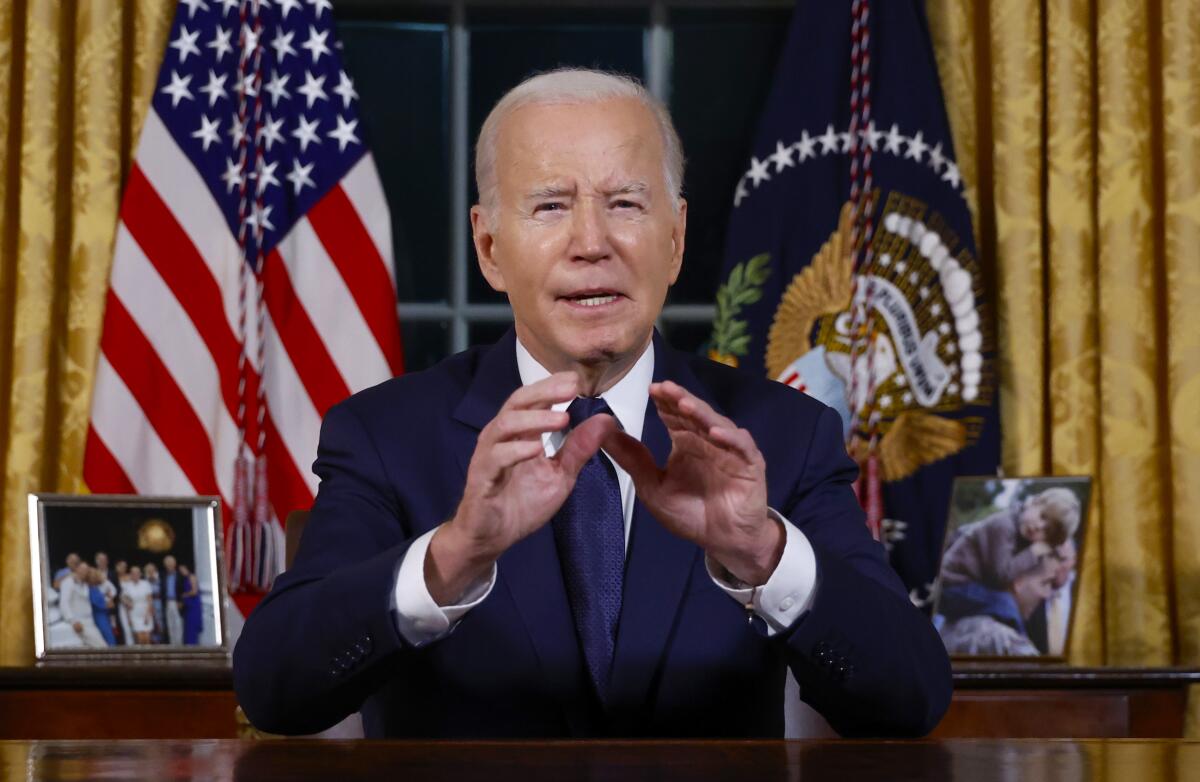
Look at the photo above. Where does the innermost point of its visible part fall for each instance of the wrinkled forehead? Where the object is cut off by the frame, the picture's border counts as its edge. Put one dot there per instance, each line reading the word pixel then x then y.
pixel 607 144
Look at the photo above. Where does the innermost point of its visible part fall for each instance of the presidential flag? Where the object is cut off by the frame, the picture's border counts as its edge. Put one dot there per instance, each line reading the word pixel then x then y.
pixel 252 282
pixel 851 269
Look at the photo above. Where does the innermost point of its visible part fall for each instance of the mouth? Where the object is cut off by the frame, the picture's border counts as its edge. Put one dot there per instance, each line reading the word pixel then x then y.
pixel 592 298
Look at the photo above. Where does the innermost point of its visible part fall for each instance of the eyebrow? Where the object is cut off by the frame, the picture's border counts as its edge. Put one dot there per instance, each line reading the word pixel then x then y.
pixel 561 191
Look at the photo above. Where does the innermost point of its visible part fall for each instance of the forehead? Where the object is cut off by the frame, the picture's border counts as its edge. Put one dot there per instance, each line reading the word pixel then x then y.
pixel 601 142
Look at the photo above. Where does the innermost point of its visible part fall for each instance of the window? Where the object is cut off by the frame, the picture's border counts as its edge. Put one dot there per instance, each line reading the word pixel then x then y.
pixel 428 73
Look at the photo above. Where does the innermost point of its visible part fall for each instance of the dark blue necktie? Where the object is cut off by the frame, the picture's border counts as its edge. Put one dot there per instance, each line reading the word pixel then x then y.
pixel 589 531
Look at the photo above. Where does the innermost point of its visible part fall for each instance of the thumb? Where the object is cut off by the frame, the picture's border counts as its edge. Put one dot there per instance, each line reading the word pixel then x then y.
pixel 634 458
pixel 583 442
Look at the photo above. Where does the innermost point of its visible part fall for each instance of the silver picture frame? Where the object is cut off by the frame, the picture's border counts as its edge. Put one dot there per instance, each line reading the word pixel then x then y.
pixel 180 537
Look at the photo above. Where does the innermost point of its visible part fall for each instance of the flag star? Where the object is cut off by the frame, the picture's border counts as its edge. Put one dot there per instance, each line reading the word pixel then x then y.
pixel 345 88
pixel 316 44
pixel 806 146
pixel 270 131
pixel 192 5
pixel 287 6
pixel 306 133
pixel 344 133
pixel 277 86
pixel 916 147
pixel 871 136
pixel 782 157
pixel 885 400
pixel 237 131
pixel 320 6
pixel 215 89
pixel 227 6
pixel 952 175
pixel 892 142
pixel 178 88
pixel 906 397
pixel 740 193
pixel 265 174
pixel 249 40
pixel 282 44
pixel 829 140
pixel 936 158
pixel 758 170
pixel 232 176
pixel 247 84
pixel 260 217
pixel 313 89
pixel 299 176
pixel 185 44
pixel 220 42
pixel 207 133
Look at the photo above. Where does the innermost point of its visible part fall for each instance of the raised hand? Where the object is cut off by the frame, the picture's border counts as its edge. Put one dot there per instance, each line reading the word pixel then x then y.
pixel 713 490
pixel 512 487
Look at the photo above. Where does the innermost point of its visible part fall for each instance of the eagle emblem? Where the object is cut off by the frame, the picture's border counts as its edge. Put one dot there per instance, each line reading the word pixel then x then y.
pixel 923 363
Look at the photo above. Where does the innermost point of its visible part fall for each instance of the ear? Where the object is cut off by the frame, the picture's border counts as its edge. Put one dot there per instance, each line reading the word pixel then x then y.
pixel 485 243
pixel 678 232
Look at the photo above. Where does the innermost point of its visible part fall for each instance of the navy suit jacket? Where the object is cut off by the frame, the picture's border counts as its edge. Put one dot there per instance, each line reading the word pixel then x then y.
pixel 392 462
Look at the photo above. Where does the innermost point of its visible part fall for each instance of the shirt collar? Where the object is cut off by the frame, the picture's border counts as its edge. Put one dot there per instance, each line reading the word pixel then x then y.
pixel 627 399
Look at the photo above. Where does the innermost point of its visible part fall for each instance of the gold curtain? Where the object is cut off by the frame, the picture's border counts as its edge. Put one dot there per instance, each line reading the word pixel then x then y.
pixel 75 83
pixel 1077 123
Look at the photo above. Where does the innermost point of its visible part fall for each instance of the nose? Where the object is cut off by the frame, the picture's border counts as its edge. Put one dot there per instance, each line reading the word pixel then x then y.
pixel 589 232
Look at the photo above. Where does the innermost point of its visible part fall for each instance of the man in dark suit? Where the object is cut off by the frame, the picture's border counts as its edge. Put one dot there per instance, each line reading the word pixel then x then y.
pixel 475 565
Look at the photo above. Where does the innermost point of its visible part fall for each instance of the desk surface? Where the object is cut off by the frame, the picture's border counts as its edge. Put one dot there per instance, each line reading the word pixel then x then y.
pixel 977 761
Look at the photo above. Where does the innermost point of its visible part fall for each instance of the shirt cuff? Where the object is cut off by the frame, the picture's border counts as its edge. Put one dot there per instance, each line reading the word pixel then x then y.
pixel 789 591
pixel 419 619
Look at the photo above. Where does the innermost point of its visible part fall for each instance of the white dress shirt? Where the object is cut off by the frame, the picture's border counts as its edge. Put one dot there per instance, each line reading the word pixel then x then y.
pixel 787 594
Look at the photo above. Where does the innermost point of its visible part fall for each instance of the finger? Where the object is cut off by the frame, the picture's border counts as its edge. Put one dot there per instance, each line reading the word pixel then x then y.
pixel 693 407
pixel 523 424
pixel 505 455
pixel 583 442
pixel 560 387
pixel 634 458
pixel 737 441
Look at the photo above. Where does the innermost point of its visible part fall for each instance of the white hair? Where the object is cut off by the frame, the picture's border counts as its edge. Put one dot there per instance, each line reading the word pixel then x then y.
pixel 574 86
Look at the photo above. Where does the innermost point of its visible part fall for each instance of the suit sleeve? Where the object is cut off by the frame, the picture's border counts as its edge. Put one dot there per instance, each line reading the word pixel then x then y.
pixel 863 655
pixel 322 640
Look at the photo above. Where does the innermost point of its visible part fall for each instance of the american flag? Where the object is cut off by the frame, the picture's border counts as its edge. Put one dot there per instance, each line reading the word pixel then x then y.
pixel 252 284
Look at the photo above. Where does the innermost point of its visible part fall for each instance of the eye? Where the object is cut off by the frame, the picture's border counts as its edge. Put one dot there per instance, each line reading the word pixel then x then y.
pixel 625 203
pixel 549 206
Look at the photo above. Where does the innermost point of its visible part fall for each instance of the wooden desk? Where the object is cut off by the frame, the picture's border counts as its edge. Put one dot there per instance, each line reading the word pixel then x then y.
pixel 990 701
pixel 298 761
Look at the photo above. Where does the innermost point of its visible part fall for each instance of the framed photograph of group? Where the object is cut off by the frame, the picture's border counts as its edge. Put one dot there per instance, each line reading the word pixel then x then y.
pixel 127 578
pixel 1009 571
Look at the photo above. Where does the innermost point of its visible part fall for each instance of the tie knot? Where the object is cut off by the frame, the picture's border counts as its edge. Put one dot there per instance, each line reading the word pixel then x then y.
pixel 584 407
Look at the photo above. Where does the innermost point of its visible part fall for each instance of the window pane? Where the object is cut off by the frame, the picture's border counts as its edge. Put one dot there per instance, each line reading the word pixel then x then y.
pixel 426 342
pixel 688 337
pixel 721 70
pixel 486 332
pixel 506 46
pixel 399 71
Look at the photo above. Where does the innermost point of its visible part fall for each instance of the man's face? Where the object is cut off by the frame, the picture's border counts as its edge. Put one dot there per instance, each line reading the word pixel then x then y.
pixel 102 561
pixel 169 564
pixel 72 561
pixel 1065 564
pixel 584 239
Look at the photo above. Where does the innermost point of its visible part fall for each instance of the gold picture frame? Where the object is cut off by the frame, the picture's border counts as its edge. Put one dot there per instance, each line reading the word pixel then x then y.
pixel 1008 577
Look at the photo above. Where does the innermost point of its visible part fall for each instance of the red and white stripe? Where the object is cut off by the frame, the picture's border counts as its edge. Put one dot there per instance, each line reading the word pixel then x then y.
pixel 164 409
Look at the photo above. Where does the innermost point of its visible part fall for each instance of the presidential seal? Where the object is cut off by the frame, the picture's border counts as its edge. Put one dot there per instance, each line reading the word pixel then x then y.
pixel 918 363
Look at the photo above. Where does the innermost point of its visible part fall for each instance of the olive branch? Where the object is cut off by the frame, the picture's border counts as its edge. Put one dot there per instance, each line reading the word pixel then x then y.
pixel 730 336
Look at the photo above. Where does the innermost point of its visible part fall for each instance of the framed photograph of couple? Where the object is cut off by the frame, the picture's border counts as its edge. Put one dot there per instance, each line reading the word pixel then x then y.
pixel 127 579
pixel 1009 571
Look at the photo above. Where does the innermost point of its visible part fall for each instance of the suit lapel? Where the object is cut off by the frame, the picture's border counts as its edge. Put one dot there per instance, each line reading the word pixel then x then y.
pixel 656 571
pixel 529 571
